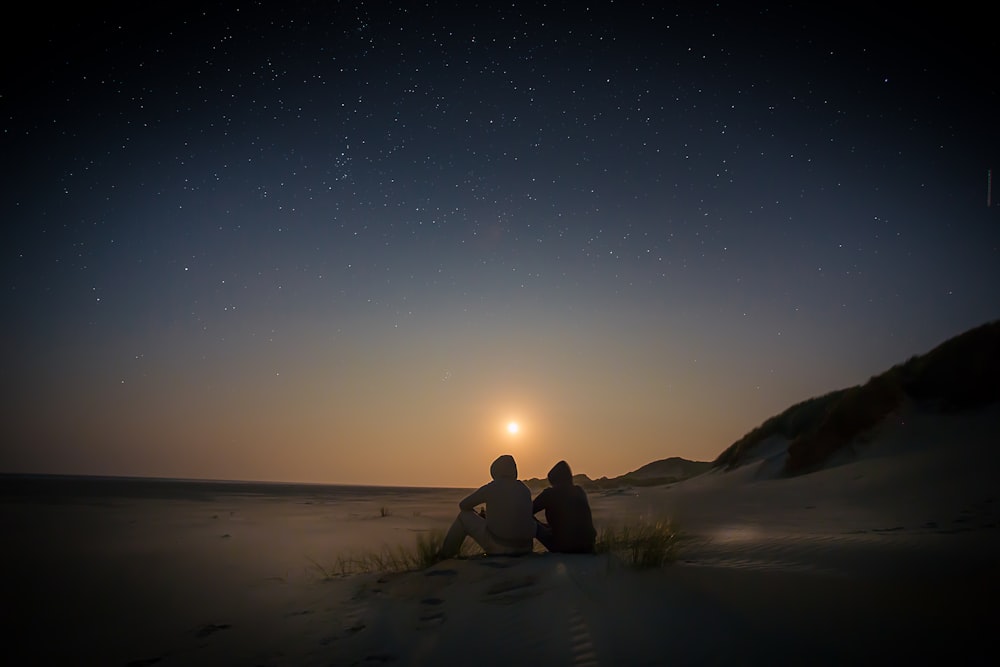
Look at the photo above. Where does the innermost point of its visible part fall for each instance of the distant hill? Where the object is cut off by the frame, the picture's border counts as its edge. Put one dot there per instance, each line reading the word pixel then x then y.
pixel 664 471
pixel 674 467
pixel 963 373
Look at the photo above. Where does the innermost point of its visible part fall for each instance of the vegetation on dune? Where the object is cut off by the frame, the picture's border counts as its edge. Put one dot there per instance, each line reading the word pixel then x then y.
pixel 795 420
pixel 640 544
pixel 418 556
pixel 960 374
pixel 854 411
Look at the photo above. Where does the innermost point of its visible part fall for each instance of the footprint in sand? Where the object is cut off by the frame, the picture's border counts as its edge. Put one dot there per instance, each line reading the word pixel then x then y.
pixel 431 617
pixel 349 631
pixel 211 628
pixel 511 585
pixel 496 564
pixel 581 642
pixel 353 622
pixel 512 590
pixel 441 573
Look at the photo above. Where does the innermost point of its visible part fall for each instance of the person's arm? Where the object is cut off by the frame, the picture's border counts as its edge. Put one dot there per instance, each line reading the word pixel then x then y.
pixel 477 497
pixel 539 503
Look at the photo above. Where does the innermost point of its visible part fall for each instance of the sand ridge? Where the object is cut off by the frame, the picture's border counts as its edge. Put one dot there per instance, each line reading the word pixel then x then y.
pixel 885 556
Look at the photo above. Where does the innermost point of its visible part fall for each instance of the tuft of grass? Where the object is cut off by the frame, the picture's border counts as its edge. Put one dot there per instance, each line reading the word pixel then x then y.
pixel 422 554
pixel 641 544
pixel 426 548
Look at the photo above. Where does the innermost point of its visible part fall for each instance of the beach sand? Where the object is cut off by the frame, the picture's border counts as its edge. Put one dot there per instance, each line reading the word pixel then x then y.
pixel 888 555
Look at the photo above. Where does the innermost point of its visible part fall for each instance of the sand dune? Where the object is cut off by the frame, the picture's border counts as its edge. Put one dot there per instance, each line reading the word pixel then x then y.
pixel 886 555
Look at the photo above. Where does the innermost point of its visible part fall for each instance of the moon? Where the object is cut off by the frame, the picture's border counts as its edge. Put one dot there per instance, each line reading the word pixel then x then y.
pixel 513 428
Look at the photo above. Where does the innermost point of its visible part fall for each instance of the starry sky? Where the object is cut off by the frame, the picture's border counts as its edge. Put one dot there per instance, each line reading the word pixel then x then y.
pixel 348 242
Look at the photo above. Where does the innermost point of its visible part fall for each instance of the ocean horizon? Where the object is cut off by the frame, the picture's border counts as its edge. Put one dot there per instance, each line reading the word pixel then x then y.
pixel 36 486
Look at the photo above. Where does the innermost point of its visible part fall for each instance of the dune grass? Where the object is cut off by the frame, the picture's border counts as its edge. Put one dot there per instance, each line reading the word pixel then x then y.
pixel 960 374
pixel 399 558
pixel 420 555
pixel 640 544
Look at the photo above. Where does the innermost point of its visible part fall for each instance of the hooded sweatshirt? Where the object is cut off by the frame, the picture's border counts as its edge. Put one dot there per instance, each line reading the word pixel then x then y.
pixel 567 512
pixel 508 504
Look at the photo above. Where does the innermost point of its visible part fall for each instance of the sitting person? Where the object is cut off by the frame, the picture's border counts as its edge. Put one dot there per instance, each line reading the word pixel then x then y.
pixel 569 526
pixel 507 528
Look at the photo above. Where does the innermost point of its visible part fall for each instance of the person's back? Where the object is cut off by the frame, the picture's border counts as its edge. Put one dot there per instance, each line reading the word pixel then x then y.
pixel 508 503
pixel 508 527
pixel 570 526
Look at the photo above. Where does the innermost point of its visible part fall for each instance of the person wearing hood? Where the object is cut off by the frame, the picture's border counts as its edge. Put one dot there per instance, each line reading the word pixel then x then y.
pixel 507 527
pixel 569 526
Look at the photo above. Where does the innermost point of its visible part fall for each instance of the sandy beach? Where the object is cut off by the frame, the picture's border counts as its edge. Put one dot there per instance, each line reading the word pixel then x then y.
pixel 889 554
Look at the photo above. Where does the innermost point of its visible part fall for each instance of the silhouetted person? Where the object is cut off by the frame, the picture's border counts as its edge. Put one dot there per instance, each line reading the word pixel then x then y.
pixel 508 526
pixel 569 526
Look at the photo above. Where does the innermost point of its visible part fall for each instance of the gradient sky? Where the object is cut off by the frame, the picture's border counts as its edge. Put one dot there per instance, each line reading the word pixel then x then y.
pixel 348 243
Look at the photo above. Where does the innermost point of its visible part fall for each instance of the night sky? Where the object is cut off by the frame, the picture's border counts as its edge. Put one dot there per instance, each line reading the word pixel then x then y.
pixel 348 242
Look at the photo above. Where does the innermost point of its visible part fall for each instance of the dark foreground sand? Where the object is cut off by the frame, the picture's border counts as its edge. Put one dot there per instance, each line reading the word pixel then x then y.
pixel 887 557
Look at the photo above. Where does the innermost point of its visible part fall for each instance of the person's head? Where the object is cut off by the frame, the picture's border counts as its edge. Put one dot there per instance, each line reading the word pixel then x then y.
pixel 504 468
pixel 561 475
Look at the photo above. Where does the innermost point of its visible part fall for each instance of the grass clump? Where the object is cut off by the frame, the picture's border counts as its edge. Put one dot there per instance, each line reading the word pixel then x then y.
pixel 642 544
pixel 420 555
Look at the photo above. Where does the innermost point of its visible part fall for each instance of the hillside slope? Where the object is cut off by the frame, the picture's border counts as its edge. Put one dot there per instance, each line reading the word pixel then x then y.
pixel 963 373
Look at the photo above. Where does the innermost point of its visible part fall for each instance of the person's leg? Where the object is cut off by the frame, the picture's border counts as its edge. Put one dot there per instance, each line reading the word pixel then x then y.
pixel 466 523
pixel 543 534
pixel 452 543
pixel 475 527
